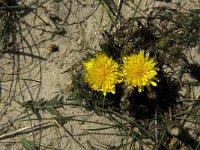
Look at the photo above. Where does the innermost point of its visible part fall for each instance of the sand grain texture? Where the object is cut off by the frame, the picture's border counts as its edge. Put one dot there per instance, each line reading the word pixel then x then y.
pixel 30 71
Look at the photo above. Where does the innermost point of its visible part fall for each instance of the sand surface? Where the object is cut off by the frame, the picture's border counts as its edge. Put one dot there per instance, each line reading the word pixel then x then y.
pixel 30 71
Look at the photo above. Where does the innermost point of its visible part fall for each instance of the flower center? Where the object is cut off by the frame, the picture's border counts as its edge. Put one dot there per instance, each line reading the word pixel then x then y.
pixel 101 73
pixel 139 71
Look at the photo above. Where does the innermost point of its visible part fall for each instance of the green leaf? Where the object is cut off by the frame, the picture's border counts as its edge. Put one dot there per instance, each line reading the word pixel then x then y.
pixel 50 105
pixel 28 145
pixel 38 104
pixel 51 110
pixel 53 101
pixel 72 95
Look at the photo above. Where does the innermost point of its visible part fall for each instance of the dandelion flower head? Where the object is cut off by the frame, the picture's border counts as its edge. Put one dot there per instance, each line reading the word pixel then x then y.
pixel 102 73
pixel 139 71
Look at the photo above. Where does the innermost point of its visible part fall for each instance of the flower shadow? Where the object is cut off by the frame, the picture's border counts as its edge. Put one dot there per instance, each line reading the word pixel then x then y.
pixel 159 100
pixel 194 70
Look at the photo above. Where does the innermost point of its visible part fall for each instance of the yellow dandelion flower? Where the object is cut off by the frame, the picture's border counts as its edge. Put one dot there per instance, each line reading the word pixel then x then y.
pixel 139 71
pixel 102 73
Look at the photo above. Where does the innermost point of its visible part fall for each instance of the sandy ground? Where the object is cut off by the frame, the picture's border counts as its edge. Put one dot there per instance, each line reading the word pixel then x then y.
pixel 75 27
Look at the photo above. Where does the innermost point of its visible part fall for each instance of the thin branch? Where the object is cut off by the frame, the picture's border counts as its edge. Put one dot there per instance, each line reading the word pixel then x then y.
pixel 27 130
pixel 69 134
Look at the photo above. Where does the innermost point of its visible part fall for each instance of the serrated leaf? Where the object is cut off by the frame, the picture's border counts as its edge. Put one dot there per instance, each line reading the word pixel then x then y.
pixel 38 104
pixel 51 105
pixel 53 101
pixel 41 101
pixel 51 110
pixel 28 145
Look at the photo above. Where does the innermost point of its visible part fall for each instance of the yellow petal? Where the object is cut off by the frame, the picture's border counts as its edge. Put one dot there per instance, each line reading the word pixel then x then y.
pixel 140 89
pixel 139 71
pixel 153 83
pixel 101 73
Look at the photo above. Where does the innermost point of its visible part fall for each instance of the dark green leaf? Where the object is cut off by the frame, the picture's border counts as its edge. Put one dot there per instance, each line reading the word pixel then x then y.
pixel 28 145
pixel 53 101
